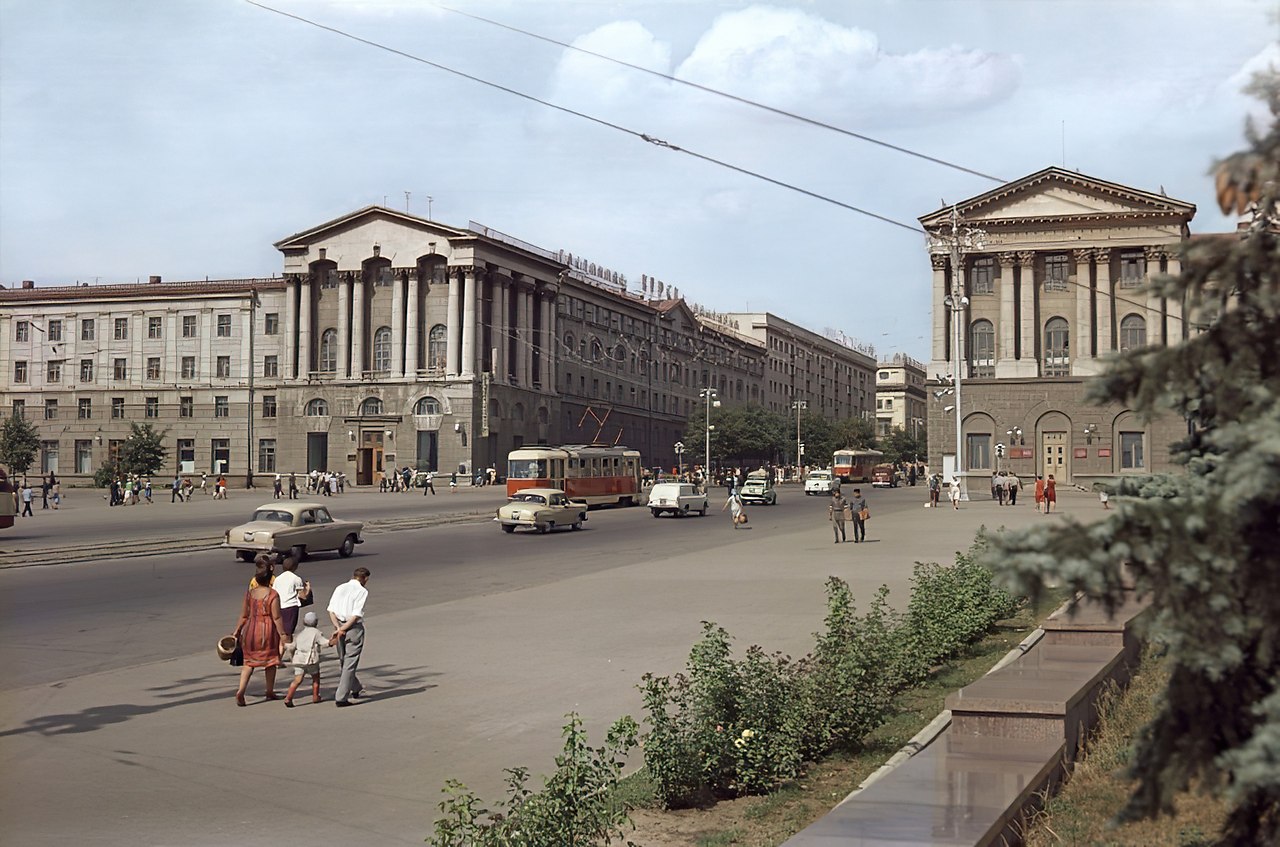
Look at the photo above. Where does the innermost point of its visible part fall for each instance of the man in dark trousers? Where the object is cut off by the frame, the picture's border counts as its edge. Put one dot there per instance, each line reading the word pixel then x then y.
pixel 858 507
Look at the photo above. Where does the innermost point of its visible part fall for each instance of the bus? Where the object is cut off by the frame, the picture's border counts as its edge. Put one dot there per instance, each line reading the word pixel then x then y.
pixel 855 465
pixel 600 474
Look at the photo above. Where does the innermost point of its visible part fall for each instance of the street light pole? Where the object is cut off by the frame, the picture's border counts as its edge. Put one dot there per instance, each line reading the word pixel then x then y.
pixel 798 405
pixel 708 394
pixel 679 447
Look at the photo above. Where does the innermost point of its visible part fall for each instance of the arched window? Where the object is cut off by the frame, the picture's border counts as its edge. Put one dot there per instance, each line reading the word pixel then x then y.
pixel 329 350
pixel 568 343
pixel 371 406
pixel 316 408
pixel 438 348
pixel 982 350
pixel 382 349
pixel 1057 347
pixel 1133 332
pixel 427 406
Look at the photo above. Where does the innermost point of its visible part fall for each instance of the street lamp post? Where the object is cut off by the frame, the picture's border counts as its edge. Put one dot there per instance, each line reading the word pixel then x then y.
pixel 708 395
pixel 679 448
pixel 798 406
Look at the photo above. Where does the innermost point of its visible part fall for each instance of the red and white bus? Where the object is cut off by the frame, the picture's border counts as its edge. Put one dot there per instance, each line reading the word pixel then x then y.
pixel 855 465
pixel 600 474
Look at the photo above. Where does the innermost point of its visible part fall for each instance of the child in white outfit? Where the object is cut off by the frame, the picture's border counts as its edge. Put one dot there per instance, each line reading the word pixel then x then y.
pixel 304 655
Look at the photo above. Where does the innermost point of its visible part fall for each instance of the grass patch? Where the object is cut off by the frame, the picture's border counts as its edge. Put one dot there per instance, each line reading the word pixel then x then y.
pixel 769 820
pixel 1084 811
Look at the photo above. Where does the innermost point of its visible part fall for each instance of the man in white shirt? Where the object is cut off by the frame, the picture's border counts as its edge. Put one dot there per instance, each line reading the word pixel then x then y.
pixel 292 589
pixel 346 610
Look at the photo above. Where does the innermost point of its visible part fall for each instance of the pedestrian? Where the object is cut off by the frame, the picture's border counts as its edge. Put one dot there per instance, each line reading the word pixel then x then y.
pixel 128 491
pixel 44 494
pixel 995 487
pixel 260 631
pixel 734 505
pixel 346 610
pixel 293 486
pixel 335 484
pixel 55 491
pixel 1014 485
pixel 429 485
pixel 146 490
pixel 175 489
pixel 1104 498
pixel 26 499
pixel 342 483
pixel 453 482
pixel 1050 494
pixel 935 490
pixel 307 648
pixel 277 491
pixel 221 487
pixel 1039 493
pixel 858 506
pixel 911 475
pixel 115 492
pixel 204 482
pixel 954 493
pixel 1002 487
pixel 838 512
pixel 293 591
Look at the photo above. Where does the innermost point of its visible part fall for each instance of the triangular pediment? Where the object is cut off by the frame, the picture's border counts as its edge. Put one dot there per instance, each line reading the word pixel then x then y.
pixel 369 216
pixel 1056 194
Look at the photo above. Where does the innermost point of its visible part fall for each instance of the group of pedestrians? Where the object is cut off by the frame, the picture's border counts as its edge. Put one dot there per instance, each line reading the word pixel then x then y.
pixel 1005 486
pixel 326 483
pixel 24 495
pixel 268 636
pixel 852 509
pixel 130 490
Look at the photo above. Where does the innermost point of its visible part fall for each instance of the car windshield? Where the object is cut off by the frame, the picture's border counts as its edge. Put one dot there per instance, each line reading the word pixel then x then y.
pixel 273 516
pixel 529 498
pixel 820 475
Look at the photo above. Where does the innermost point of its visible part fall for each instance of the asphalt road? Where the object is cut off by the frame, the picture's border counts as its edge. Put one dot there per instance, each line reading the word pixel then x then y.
pixel 117 725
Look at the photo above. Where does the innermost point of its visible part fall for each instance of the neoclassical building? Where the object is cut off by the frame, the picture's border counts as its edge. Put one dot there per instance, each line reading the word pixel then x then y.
pixel 1054 286
pixel 900 396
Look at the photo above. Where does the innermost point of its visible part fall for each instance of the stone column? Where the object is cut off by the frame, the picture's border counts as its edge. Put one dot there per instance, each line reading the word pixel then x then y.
pixel 397 326
pixel 357 326
pixel 501 331
pixel 344 329
pixel 519 333
pixel 453 331
pixel 1081 338
pixel 412 330
pixel 1155 308
pixel 1006 365
pixel 290 332
pixel 939 262
pixel 526 329
pixel 548 360
pixel 470 314
pixel 1102 327
pixel 1030 365
pixel 1178 329
pixel 304 365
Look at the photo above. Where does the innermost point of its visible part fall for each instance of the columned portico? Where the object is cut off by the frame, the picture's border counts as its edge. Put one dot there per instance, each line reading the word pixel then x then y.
pixel 940 336
pixel 1102 326
pixel 303 366
pixel 1155 305
pixel 1082 333
pixel 1028 361
pixel 344 329
pixel 470 295
pixel 453 324
pixel 412 331
pixel 1006 364
pixel 357 327
pixel 501 329
pixel 397 327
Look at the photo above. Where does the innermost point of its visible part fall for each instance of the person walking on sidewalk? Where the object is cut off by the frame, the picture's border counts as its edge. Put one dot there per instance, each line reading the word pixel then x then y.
pixel 734 505
pixel 1014 485
pixel 1039 493
pixel 175 489
pixel 26 499
pixel 935 490
pixel 307 647
pixel 954 493
pixel 430 485
pixel 346 610
pixel 260 632
pixel 293 486
pixel 858 506
pixel 838 512
pixel 1050 494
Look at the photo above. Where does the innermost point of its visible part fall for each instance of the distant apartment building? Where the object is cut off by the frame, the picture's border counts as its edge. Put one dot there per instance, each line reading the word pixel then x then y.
pixel 900 396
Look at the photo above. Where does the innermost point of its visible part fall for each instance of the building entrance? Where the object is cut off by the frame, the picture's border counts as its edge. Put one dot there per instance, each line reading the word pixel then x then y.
pixel 1054 449
pixel 369 458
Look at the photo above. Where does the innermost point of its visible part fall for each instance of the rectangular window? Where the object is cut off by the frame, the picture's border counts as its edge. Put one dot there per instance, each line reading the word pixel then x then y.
pixel 271 323
pixel 86 370
pixel 22 331
pixel 1131 452
pixel 20 372
pixel 188 367
pixel 983 273
pixel 88 329
pixel 266 455
pixel 121 331
pixel 977 452
pixel 120 368
pixel 188 326
pixel 186 407
pixel 271 366
pixel 19 408
pixel 117 408
pixel 187 455
pixel 84 456
pixel 221 408
pixel 154 328
pixel 115 447
pixel 50 410
pixel 49 457
pixel 224 367
pixel 54 331
pixel 151 407
pixel 224 326
pixel 1133 267
pixel 85 409
pixel 153 367
pixel 268 405
pixel 1056 271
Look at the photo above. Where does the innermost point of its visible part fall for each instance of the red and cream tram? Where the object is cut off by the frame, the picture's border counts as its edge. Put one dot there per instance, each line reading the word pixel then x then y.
pixel 600 474
pixel 855 465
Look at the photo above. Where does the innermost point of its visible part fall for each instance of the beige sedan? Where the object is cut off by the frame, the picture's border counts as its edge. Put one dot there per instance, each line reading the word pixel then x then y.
pixel 542 509
pixel 293 527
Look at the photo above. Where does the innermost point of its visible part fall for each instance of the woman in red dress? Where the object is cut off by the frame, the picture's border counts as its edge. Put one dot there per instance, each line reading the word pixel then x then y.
pixel 260 632
pixel 1050 494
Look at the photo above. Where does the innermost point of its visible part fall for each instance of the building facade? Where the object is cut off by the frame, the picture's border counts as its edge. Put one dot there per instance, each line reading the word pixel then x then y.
pixel 900 396
pixel 1053 285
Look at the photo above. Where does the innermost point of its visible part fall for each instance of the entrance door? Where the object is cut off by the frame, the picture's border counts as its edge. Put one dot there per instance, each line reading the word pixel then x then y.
pixel 317 451
pixel 428 450
pixel 1054 449
pixel 187 455
pixel 369 460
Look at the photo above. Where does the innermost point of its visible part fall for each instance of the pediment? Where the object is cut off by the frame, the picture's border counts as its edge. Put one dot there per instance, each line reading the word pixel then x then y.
pixel 370 218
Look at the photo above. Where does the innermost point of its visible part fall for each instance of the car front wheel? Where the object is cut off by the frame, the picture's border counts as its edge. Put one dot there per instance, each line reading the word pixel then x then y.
pixel 245 555
pixel 348 547
pixel 655 512
pixel 507 528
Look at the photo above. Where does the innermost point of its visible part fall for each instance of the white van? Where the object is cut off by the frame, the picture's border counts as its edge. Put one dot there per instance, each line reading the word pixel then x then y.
pixel 819 482
pixel 677 498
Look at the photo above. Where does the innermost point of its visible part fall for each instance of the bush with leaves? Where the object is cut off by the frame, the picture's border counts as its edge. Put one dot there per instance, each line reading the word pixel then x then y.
pixel 19 443
pixel 575 807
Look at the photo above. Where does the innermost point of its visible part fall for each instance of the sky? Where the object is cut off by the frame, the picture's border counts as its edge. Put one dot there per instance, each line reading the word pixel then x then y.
pixel 184 137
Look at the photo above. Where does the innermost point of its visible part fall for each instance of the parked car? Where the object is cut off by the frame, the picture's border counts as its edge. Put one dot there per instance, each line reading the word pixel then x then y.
pixel 759 489
pixel 820 482
pixel 293 527
pixel 542 509
pixel 884 476
pixel 676 498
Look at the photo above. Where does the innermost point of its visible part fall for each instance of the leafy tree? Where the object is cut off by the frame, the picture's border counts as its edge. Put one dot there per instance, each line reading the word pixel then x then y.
pixel 1202 544
pixel 900 446
pixel 143 452
pixel 742 435
pixel 819 437
pixel 19 442
pixel 855 433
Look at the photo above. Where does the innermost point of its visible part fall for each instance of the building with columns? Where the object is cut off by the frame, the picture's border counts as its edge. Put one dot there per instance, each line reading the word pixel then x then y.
pixel 900 396
pixel 1055 286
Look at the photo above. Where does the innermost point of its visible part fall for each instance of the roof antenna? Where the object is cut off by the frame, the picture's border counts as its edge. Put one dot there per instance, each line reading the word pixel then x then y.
pixel 1064 144
pixel 406 201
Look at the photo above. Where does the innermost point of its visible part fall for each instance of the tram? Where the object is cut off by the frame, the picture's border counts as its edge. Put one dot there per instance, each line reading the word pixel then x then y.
pixel 600 474
pixel 855 465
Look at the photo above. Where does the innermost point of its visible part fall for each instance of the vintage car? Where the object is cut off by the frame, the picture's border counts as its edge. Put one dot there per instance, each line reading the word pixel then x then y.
pixel 294 527
pixel 542 509
pixel 820 482
pixel 676 498
pixel 759 489
pixel 884 476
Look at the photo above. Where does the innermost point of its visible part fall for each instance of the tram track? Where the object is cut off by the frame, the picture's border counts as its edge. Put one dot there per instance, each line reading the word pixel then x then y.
pixel 61 554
